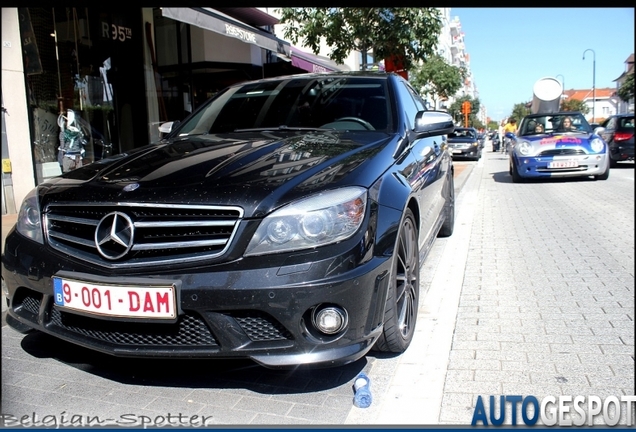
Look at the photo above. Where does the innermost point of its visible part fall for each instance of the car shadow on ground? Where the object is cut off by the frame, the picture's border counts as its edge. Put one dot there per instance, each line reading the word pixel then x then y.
pixel 625 165
pixel 191 373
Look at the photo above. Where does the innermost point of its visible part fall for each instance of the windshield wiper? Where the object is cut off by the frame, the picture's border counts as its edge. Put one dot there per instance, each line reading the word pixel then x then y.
pixel 282 128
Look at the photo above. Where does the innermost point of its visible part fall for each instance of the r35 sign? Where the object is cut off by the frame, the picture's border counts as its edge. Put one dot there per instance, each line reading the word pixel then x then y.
pixel 116 32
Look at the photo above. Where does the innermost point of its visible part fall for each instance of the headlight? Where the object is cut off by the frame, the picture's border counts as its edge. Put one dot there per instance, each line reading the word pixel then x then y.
pixel 475 144
pixel 29 220
pixel 597 145
pixel 325 218
pixel 524 147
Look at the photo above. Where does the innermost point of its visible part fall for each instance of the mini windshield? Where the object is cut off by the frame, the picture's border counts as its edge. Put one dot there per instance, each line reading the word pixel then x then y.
pixel 359 103
pixel 555 123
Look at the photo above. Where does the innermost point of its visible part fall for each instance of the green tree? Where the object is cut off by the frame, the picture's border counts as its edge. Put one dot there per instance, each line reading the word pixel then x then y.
pixel 493 125
pixel 574 105
pixel 456 110
pixel 520 110
pixel 436 78
pixel 626 91
pixel 411 32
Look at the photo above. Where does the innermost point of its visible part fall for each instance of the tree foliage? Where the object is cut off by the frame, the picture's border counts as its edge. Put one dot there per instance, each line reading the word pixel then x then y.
pixel 626 91
pixel 436 78
pixel 574 105
pixel 520 110
pixel 411 32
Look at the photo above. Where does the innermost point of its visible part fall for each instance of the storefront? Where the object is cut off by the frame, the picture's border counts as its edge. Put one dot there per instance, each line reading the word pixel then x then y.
pixel 83 73
pixel 99 82
pixel 202 50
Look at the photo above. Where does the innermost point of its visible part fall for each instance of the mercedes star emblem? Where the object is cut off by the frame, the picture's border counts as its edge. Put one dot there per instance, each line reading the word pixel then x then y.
pixel 114 235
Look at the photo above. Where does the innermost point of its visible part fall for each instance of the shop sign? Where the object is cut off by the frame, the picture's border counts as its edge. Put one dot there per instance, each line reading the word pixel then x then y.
pixel 241 34
pixel 116 32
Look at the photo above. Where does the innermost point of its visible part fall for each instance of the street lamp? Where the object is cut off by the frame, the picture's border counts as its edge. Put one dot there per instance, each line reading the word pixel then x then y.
pixel 593 82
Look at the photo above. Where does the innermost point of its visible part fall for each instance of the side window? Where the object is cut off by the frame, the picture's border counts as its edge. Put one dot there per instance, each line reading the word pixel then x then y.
pixel 408 103
pixel 611 124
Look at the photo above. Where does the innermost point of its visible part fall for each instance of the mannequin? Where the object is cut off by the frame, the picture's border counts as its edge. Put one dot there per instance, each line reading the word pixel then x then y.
pixel 72 142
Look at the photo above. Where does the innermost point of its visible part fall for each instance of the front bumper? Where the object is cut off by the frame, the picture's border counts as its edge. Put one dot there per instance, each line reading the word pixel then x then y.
pixel 471 151
pixel 567 166
pixel 260 313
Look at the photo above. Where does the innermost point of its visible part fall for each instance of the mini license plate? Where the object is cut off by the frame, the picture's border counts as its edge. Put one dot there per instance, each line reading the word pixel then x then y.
pixel 563 164
pixel 456 151
pixel 154 302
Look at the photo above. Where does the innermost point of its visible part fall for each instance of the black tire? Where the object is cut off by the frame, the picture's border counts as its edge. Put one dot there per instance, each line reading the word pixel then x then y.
pixel 613 163
pixel 449 223
pixel 400 313
pixel 516 178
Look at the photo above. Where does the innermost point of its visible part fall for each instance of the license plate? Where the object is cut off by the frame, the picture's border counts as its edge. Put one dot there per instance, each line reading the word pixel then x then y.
pixel 563 164
pixel 154 302
pixel 456 151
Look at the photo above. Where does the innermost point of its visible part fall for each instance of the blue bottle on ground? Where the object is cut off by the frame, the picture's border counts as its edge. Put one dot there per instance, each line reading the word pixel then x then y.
pixel 362 388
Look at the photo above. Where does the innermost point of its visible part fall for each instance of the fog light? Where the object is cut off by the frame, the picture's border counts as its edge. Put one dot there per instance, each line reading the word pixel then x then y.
pixel 329 319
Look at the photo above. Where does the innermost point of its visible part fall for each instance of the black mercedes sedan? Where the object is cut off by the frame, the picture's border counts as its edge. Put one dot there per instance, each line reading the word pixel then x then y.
pixel 284 221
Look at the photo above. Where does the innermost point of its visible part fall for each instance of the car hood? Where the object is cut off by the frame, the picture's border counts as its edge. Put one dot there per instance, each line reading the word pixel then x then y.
pixel 257 171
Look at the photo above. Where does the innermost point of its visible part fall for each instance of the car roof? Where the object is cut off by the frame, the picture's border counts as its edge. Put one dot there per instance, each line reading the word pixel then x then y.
pixel 354 74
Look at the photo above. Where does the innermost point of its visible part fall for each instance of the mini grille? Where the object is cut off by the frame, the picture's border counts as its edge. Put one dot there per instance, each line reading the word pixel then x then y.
pixel 564 152
pixel 159 234
pixel 190 330
pixel 260 327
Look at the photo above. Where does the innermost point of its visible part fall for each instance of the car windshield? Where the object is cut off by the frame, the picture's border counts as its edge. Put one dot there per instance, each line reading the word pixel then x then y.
pixel 462 133
pixel 295 102
pixel 555 123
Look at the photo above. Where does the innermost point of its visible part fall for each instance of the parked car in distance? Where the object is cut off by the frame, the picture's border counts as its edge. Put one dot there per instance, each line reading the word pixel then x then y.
pixel 464 143
pixel 284 221
pixel 496 141
pixel 557 145
pixel 619 136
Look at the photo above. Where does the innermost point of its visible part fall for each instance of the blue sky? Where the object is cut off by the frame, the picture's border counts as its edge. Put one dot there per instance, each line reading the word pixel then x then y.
pixel 511 48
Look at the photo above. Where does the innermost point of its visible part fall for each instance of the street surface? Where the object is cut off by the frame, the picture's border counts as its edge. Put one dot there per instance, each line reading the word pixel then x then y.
pixel 533 294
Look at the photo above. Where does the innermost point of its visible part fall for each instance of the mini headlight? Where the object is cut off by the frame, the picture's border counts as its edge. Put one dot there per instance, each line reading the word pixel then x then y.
pixel 29 219
pixel 597 145
pixel 524 147
pixel 322 219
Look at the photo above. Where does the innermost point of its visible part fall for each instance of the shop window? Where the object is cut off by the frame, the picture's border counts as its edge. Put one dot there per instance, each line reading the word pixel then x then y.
pixel 71 98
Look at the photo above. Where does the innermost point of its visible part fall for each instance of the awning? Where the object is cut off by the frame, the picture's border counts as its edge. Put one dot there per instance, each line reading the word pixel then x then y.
pixel 215 21
pixel 313 63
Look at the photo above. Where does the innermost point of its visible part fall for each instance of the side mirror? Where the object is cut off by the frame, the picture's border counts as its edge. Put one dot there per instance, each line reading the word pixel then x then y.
pixel 599 130
pixel 433 123
pixel 166 127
